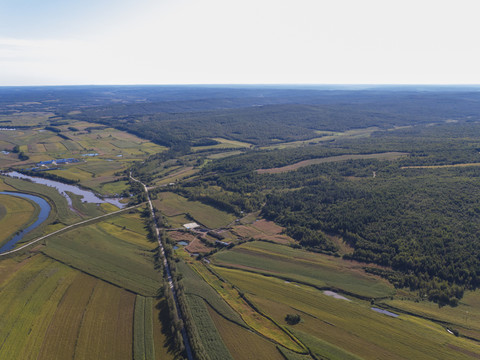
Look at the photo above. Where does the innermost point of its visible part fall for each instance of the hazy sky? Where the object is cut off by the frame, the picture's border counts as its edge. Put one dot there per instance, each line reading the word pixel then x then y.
pixel 239 41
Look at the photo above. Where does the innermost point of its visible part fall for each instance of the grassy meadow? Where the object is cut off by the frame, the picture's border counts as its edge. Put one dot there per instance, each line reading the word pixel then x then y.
pixel 171 205
pixel 306 267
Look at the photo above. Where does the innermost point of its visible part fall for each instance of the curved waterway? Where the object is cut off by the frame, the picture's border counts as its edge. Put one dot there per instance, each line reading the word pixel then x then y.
pixel 42 216
pixel 87 196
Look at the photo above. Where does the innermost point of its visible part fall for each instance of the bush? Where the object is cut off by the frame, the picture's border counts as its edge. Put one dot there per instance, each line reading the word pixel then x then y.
pixel 292 319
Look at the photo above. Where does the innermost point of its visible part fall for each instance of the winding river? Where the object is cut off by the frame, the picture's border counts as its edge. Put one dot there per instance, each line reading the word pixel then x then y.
pixel 42 216
pixel 87 196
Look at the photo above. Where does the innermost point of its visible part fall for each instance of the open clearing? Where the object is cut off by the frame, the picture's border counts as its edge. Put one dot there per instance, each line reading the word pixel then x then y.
pixel 298 165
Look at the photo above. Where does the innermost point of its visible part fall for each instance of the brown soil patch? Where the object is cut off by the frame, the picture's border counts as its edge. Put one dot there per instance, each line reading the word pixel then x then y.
pixel 263 230
pixel 181 236
pixel 196 246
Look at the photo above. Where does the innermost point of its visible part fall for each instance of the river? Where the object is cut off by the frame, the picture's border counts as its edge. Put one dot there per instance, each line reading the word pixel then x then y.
pixel 42 216
pixel 87 195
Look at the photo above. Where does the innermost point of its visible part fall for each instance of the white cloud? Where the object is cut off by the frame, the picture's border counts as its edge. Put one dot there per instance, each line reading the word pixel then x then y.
pixel 262 41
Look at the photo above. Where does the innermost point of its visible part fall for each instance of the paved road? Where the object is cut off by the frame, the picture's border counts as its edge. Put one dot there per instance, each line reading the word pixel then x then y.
pixel 66 228
pixel 186 341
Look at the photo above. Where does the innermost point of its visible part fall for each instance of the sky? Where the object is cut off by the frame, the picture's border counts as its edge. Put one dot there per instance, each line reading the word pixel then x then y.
pixel 69 42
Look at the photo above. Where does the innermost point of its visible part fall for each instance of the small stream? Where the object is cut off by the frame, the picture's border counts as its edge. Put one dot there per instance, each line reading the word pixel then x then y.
pixel 42 216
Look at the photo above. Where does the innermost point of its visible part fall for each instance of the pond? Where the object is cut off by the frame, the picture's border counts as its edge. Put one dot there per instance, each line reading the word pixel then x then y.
pixel 385 312
pixel 183 243
pixel 42 216
pixel 87 195
pixel 335 295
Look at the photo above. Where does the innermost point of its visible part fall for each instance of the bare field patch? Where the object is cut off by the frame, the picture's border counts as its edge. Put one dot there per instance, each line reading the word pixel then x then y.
pixel 196 246
pixel 263 230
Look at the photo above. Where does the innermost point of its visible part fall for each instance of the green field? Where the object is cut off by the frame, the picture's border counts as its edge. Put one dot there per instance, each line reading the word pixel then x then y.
pixel 465 318
pixel 172 204
pixel 110 251
pixel 335 328
pixel 143 344
pixel 243 344
pixel 195 286
pixel 29 296
pixel 205 330
pixel 305 267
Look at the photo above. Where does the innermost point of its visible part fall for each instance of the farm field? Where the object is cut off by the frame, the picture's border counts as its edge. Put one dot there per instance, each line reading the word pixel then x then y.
pixel 306 267
pixel 29 296
pixel 144 348
pixel 257 321
pixel 219 326
pixel 386 176
pixel 171 204
pixel 101 152
pixel 224 144
pixel 327 136
pixel 177 175
pixel 242 343
pixel 51 311
pixel 464 318
pixel 106 329
pixel 298 165
pixel 15 214
pixel 336 328
pixel 112 250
